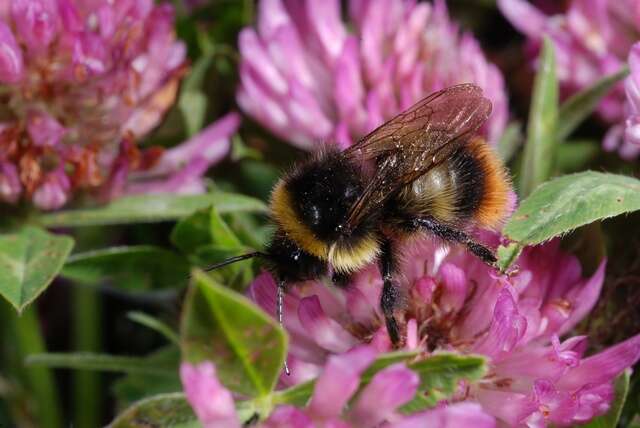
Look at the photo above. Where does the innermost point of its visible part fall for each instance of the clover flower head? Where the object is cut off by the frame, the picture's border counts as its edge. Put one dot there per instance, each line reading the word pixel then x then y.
pixel 311 77
pixel 332 403
pixel 81 82
pixel 456 303
pixel 592 39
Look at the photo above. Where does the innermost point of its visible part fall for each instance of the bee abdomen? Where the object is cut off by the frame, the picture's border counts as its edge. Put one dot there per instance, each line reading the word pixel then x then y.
pixel 486 196
pixel 472 186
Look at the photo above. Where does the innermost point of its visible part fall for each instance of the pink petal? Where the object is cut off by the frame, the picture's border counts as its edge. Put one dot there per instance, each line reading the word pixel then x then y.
pixel 106 18
pixel 556 406
pixel 522 367
pixel 371 49
pixel 10 186
pixel 90 53
pixel 507 406
pixel 185 181
pixel 289 417
pixel 211 144
pixel 44 129
pixel 53 193
pixel 389 389
pixel 569 352
pixel 342 136
pixel 589 21
pixel 525 17
pixel 507 327
pixel 339 381
pixel 210 400
pixel 70 17
pixel 455 287
pixel 263 292
pixel 449 416
pixel 349 88
pixel 11 63
pixel 305 110
pixel 300 370
pixel 423 290
pixel 36 21
pixel 592 401
pixel 632 83
pixel 325 23
pixel 324 330
pixel 585 298
pixel 289 56
pixel 256 100
pixel 255 56
pixel 271 17
pixel 412 334
pixel 604 366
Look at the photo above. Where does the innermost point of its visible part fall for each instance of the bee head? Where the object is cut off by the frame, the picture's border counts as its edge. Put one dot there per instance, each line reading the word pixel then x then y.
pixel 291 263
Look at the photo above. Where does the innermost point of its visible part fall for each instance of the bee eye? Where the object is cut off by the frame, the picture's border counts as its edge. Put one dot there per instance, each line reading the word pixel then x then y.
pixel 342 229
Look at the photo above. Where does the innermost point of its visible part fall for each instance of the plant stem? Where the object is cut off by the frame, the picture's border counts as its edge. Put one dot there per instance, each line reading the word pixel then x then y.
pixel 86 335
pixel 40 379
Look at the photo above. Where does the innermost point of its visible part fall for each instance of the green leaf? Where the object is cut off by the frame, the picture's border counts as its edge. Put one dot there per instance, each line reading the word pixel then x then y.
pixel 235 274
pixel 155 324
pixel 298 395
pixel 250 230
pixel 134 386
pixel 247 345
pixel 570 201
pixel 577 108
pixel 440 375
pixel 509 141
pixel 192 232
pixel 193 105
pixel 164 410
pixel 134 268
pixel 206 228
pixel 507 255
pixel 151 208
pixel 611 418
pixel 537 163
pixel 193 102
pixel 29 260
pixel 258 177
pixel 104 362
pixel 198 74
pixel 575 156
pixel 240 151
pixel 221 234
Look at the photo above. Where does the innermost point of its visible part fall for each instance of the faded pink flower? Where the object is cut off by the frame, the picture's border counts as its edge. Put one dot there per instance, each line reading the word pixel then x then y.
pixel 456 303
pixel 631 147
pixel 82 81
pixel 310 77
pixel 592 39
pixel 211 401
pixel 375 406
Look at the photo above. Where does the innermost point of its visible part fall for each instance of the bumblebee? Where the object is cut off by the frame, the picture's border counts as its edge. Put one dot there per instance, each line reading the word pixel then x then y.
pixel 422 172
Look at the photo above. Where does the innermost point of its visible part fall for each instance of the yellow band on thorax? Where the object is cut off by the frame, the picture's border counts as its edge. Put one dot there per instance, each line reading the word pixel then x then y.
pixel 284 214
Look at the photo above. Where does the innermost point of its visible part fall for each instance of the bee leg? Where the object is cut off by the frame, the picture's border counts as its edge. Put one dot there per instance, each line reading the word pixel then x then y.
pixel 450 234
pixel 390 296
pixel 279 313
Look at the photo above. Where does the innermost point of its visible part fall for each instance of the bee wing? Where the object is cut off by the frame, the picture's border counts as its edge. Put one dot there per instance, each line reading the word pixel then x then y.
pixel 410 144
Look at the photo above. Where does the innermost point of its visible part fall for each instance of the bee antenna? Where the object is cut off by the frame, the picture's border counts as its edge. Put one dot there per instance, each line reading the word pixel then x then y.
pixel 235 259
pixel 279 311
